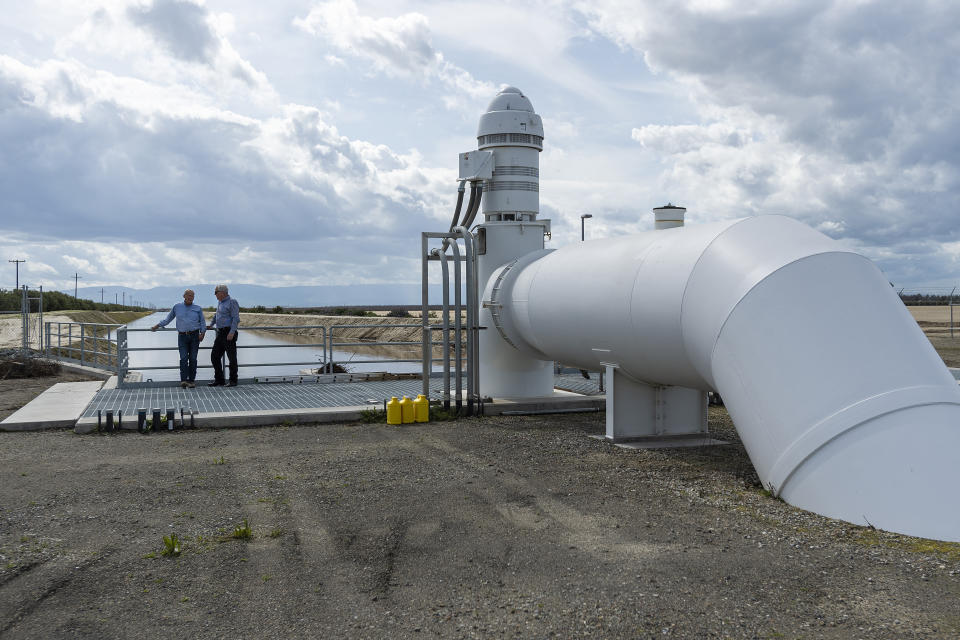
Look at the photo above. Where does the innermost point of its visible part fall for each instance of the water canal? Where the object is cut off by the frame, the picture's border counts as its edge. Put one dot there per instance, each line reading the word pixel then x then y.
pixel 268 347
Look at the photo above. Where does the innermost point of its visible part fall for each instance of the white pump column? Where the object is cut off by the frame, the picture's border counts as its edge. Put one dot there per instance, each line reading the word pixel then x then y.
pixel 511 201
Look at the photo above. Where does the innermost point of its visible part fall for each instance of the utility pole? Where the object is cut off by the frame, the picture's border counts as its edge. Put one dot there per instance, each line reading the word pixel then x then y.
pixel 17 262
pixel 124 298
pixel 101 295
pixel 116 298
pixel 76 276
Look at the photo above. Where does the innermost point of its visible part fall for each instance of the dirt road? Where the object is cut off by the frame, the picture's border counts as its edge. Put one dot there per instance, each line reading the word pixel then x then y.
pixel 500 527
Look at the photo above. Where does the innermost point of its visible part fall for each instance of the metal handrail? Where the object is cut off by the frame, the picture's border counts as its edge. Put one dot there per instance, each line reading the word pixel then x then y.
pixel 117 353
pixel 122 370
pixel 111 357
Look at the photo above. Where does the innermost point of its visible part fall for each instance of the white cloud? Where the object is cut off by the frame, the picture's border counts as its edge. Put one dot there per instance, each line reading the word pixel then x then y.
pixel 269 142
pixel 396 46
pixel 839 113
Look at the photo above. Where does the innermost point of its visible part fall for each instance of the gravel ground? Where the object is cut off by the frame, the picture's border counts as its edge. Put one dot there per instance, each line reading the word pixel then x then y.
pixel 478 528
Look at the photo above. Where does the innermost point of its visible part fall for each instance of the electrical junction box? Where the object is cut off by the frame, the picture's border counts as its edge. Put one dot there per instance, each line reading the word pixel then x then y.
pixel 476 165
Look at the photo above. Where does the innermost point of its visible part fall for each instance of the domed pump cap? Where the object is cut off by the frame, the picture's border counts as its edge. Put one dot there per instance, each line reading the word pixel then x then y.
pixel 510 99
pixel 510 121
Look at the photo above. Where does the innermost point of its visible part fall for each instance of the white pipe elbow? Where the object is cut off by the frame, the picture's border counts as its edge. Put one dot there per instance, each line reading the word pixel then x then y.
pixel 840 400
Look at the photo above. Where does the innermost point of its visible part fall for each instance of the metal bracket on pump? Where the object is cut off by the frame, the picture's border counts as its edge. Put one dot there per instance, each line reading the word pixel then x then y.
pixel 653 415
pixel 476 165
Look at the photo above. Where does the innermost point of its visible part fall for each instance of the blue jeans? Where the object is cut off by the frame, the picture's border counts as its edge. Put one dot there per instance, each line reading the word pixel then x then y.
pixel 189 345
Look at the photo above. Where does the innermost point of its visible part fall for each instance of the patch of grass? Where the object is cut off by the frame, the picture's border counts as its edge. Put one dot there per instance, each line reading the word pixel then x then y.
pixel 171 545
pixel 439 415
pixel 267 578
pixel 220 460
pixel 371 416
pixel 243 531
pixel 870 537
pixel 276 533
pixel 150 556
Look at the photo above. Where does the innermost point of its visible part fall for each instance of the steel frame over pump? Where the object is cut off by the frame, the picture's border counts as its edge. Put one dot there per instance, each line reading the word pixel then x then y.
pixel 464 338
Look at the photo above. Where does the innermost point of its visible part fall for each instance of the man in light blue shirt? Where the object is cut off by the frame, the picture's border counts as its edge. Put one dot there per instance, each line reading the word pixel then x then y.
pixel 191 328
pixel 226 320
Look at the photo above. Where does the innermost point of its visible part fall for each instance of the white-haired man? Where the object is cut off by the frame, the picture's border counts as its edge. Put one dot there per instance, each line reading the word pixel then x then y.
pixel 226 320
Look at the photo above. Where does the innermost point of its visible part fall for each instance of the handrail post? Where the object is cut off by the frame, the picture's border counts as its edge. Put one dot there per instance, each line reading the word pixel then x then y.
pixel 323 336
pixel 122 361
pixel 83 331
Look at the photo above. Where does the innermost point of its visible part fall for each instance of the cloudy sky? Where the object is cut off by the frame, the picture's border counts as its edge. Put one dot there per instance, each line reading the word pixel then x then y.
pixel 156 142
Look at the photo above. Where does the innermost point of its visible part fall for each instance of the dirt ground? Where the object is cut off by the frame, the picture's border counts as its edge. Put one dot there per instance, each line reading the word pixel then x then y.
pixel 493 527
pixel 476 528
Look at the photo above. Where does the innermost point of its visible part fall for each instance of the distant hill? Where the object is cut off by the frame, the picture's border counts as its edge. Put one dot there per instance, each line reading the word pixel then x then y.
pixel 251 295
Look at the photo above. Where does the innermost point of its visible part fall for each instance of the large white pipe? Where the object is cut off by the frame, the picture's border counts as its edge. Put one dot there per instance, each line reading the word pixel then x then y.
pixel 843 405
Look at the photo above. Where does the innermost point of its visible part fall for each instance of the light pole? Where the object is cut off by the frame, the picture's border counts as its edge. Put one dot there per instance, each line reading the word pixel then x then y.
pixel 583 217
pixel 76 277
pixel 17 262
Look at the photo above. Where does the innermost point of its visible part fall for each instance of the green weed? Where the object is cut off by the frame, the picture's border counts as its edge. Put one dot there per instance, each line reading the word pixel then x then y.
pixel 371 416
pixel 243 532
pixel 171 545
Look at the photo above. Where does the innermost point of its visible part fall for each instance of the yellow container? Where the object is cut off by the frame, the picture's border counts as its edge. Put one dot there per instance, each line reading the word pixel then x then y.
pixel 406 410
pixel 421 409
pixel 394 412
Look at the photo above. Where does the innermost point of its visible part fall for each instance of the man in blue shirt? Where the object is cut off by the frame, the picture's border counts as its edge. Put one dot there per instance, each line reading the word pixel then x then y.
pixel 226 320
pixel 191 328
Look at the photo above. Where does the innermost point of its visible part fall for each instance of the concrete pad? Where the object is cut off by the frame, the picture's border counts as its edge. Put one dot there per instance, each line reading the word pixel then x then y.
pixel 664 442
pixel 93 372
pixel 240 415
pixel 559 402
pixel 56 408
pixel 225 419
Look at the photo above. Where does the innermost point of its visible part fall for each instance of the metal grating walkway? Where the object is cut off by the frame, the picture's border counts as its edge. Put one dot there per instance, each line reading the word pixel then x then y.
pixel 274 396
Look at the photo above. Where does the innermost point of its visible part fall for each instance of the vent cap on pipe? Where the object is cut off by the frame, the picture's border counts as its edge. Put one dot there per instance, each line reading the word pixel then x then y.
pixel 668 216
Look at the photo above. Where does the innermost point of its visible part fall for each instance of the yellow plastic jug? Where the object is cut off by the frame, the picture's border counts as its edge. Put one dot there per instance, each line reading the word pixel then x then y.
pixel 394 412
pixel 421 409
pixel 406 409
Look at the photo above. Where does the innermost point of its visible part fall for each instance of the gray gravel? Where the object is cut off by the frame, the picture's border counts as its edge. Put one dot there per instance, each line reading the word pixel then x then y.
pixel 499 527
